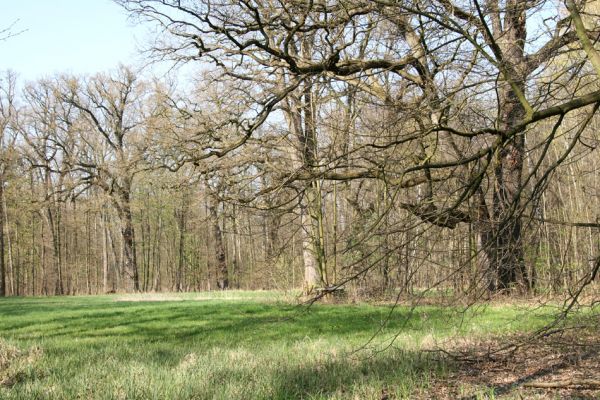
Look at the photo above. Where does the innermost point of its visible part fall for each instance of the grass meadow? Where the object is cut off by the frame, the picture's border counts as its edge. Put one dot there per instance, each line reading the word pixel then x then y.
pixel 233 345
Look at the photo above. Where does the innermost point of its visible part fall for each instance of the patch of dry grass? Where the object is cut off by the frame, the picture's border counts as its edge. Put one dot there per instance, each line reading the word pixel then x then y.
pixel 16 364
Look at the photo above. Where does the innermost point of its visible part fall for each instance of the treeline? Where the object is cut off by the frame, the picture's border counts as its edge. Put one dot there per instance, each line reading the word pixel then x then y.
pixel 388 147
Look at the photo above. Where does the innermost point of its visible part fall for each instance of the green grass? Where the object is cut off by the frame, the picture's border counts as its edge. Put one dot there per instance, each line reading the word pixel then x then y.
pixel 235 345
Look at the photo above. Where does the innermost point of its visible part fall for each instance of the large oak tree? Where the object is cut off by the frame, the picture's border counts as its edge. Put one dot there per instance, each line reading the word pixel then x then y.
pixel 462 83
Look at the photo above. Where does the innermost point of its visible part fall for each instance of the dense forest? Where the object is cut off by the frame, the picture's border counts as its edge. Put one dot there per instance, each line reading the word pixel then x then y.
pixel 386 146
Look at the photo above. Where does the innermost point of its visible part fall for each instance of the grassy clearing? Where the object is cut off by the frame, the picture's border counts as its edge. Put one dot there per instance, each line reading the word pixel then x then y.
pixel 237 345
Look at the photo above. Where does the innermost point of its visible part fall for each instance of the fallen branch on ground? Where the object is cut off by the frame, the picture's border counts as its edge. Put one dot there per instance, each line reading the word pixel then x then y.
pixel 564 384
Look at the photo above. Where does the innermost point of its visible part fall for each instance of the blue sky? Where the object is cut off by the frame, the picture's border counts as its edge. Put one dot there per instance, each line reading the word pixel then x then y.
pixel 77 36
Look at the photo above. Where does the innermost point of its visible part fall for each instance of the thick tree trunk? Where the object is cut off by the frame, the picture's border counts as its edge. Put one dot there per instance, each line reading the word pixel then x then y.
pixel 502 239
pixel 313 192
pixel 222 273
pixel 313 239
pixel 503 242
pixel 301 122
pixel 312 277
pixel 129 268
pixel 53 223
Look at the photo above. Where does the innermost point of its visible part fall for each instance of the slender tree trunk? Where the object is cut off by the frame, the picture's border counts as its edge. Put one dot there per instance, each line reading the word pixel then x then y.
pixel 250 276
pixel 181 216
pixel 32 255
pixel 104 253
pixel 43 259
pixel 88 253
pixel 17 271
pixel 236 249
pixel 117 257
pixel 156 255
pixel 2 263
pixel 145 246
pixel 6 235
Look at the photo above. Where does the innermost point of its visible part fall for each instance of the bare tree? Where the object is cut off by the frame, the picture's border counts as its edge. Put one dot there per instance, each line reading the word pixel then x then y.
pixel 112 151
pixel 459 83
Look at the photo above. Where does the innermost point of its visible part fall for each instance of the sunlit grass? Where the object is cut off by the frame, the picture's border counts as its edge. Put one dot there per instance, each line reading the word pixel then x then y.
pixel 234 345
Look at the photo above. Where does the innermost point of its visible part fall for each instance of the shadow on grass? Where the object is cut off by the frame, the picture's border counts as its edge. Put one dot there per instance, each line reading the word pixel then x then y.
pixel 246 323
pixel 169 328
pixel 243 323
pixel 78 333
pixel 396 373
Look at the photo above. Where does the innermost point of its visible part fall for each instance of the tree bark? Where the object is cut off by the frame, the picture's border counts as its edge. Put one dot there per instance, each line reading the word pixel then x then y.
pixel 129 269
pixel 222 273
pixel 181 216
pixel 104 252
pixel 301 123
pixel 500 234
pixel 2 264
